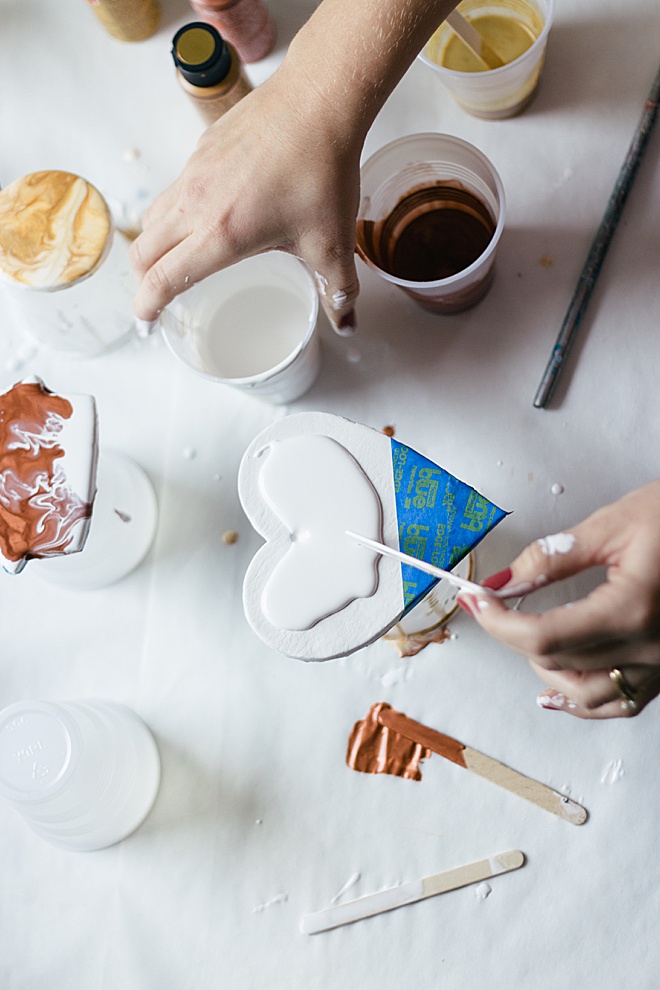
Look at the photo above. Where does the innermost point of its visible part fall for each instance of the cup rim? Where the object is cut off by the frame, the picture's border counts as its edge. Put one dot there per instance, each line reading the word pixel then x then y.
pixel 497 233
pixel 458 74
pixel 253 381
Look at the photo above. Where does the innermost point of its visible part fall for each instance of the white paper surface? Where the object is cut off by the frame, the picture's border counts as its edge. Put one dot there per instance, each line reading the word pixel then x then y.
pixel 256 805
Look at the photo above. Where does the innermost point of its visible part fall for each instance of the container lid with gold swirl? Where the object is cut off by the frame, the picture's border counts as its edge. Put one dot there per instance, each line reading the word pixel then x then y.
pixel 54 228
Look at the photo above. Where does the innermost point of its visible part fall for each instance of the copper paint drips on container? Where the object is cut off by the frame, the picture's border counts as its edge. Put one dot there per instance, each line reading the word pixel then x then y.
pixel 38 510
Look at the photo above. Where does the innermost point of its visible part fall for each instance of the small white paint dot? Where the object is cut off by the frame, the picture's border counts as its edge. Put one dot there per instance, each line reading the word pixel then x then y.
pixel 500 463
pixel 482 891
pixel 453 636
pixel 131 154
pixel 189 453
pixel 557 489
pixel 217 477
pixel 258 821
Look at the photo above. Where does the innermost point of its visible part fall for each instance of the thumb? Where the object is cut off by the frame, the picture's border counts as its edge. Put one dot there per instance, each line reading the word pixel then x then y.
pixel 549 559
pixel 337 283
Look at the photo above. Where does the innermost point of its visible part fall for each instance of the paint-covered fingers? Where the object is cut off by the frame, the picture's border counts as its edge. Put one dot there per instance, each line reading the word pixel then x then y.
pixel 551 558
pixel 596 695
pixel 333 265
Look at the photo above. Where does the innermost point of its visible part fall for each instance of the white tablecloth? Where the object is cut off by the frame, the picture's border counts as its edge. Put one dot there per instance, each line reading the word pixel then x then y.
pixel 258 819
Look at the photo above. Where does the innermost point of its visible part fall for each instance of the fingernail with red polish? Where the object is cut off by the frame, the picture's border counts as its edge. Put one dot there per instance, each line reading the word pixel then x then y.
pixel 497 581
pixel 466 603
pixel 347 324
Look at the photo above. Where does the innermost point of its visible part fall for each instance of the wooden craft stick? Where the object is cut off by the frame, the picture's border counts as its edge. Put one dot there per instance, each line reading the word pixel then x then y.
pixel 485 766
pixel 409 893
pixel 474 40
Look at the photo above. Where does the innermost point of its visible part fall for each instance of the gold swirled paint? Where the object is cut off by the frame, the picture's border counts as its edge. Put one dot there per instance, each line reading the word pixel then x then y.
pixel 54 228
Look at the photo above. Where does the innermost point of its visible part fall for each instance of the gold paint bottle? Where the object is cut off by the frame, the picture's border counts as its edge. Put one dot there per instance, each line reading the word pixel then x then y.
pixel 209 70
pixel 128 20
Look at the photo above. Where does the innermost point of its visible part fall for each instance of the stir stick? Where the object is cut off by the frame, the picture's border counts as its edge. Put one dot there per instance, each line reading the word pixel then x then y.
pixel 474 40
pixel 485 766
pixel 421 565
pixel 410 892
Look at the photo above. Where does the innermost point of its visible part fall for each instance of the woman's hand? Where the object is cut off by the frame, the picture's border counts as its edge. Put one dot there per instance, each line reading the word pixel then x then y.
pixel 576 648
pixel 270 174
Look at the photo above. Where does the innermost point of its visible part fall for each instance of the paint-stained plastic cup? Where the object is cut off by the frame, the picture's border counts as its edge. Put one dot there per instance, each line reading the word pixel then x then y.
pixel 506 90
pixel 252 326
pixel 409 179
pixel 83 774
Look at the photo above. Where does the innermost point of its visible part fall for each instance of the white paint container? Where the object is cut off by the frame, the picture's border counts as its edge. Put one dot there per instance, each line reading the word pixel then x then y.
pixel 83 774
pixel 124 519
pixel 252 326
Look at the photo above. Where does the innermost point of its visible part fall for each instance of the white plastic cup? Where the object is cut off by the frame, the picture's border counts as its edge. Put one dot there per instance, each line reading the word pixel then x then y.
pixel 507 90
pixel 83 774
pixel 89 314
pixel 252 326
pixel 421 161
pixel 124 519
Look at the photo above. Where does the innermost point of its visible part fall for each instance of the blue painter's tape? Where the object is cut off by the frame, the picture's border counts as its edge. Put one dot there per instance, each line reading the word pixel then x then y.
pixel 440 519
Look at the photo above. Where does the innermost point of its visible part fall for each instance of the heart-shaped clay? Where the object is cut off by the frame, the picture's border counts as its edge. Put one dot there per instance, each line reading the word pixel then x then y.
pixel 311 591
pixel 48 458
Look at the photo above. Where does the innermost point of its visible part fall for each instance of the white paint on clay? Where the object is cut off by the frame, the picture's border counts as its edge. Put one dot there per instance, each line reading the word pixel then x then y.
pixel 482 891
pixel 321 283
pixel 338 299
pixel 557 543
pixel 556 489
pixel 318 491
pixel 352 880
pixel 612 772
pixel 278 899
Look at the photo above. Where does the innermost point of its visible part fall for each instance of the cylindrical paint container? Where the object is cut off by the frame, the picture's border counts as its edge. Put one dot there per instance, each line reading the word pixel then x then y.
pixel 246 24
pixel 124 518
pixel 63 269
pixel 128 20
pixel 430 218
pixel 209 70
pixel 252 326
pixel 83 774
pixel 507 90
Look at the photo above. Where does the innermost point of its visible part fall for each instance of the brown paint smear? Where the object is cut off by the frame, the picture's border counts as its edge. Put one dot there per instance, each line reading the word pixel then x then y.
pixel 387 741
pixel 38 510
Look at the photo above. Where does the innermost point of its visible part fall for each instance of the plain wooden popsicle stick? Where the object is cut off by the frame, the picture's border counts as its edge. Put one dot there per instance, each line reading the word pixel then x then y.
pixel 485 766
pixel 474 40
pixel 409 893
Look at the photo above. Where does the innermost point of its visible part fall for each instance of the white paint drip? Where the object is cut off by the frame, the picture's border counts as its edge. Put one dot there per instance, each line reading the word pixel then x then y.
pixel 482 891
pixel 557 543
pixel 352 880
pixel 278 899
pixel 396 676
pixel 612 772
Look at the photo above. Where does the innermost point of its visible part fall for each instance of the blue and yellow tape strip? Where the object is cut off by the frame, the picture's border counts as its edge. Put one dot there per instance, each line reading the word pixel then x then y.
pixel 440 519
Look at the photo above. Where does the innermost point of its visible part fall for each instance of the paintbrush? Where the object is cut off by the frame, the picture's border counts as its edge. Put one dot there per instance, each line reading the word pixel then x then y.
pixel 410 892
pixel 600 244
pixel 485 766
pixel 474 40
pixel 421 565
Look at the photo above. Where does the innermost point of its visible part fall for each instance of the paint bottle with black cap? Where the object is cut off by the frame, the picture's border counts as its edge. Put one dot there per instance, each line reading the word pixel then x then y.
pixel 209 70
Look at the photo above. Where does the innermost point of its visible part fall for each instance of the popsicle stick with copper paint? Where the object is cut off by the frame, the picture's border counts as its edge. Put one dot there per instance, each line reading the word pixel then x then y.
pixel 485 766
pixel 409 893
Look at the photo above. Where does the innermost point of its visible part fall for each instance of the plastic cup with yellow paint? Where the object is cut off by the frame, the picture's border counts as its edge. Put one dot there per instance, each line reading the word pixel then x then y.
pixel 517 30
